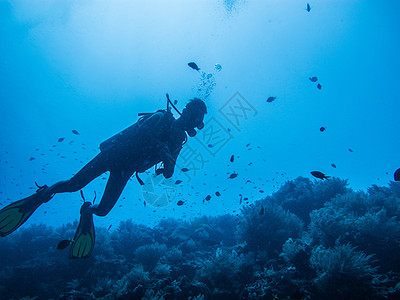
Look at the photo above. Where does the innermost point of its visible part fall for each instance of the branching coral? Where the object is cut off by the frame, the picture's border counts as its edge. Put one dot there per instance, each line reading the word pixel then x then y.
pixel 266 227
pixel 369 221
pixel 149 255
pixel 225 271
pixel 344 272
pixel 301 195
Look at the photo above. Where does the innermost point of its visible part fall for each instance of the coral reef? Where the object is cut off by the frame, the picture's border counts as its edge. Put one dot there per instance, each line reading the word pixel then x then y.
pixel 309 240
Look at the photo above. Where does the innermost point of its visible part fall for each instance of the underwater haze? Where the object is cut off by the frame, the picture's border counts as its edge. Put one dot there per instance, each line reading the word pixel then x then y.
pixel 291 88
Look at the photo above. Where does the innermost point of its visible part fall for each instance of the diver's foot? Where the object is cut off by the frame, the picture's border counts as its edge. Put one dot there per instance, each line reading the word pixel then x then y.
pixel 83 242
pixel 15 214
pixel 44 192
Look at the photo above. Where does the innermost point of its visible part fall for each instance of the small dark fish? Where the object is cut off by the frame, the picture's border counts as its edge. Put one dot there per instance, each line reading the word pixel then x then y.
pixel 193 66
pixel 333 166
pixel 233 175
pixel 144 203
pixel 270 99
pixel 313 79
pixel 261 191
pixel 319 86
pixel 175 102
pixel 322 129
pixel 261 211
pixel 319 175
pixel 210 145
pixel 178 181
pixel 208 197
pixel 308 7
pixel 184 169
pixel 109 227
pixel 75 132
pixel 180 202
pixel 60 140
pixel 397 175
pixel 217 193
pixel 32 158
pixel 232 158
pixel 64 244
pixel 351 150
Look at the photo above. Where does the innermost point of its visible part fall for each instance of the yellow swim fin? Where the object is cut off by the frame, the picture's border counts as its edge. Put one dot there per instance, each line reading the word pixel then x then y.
pixel 83 242
pixel 15 214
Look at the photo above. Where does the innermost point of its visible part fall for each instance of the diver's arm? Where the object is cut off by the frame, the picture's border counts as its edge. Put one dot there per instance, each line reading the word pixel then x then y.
pixel 169 161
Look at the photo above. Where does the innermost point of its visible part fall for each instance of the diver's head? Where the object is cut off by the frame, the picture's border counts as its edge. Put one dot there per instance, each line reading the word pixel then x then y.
pixel 193 115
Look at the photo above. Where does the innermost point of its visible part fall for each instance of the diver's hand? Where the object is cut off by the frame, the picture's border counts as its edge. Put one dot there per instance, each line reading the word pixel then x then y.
pixel 159 171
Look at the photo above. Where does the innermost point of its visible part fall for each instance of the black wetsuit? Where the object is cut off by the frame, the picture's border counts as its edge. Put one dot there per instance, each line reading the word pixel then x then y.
pixel 136 149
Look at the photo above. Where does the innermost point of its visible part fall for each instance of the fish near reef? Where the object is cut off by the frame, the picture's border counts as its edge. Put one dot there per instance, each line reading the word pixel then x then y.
pixel 319 175
pixel 64 244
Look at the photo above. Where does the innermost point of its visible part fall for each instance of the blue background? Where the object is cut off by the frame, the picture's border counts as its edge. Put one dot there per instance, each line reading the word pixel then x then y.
pixel 92 66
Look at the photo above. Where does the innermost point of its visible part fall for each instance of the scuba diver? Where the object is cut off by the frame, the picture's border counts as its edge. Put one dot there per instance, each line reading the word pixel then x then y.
pixel 155 138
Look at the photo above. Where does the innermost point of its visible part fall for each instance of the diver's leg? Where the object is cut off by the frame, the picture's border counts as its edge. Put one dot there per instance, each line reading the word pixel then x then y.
pixel 15 214
pixel 115 185
pixel 90 171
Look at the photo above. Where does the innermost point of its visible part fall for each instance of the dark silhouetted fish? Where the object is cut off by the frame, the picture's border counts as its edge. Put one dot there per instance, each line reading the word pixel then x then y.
pixel 233 175
pixel 184 169
pixel 313 79
pixel 194 66
pixel 75 132
pixel 397 175
pixel 178 181
pixel 232 158
pixel 64 244
pixel 322 129
pixel 319 175
pixel 333 166
pixel 60 140
pixel 217 193
pixel 319 86
pixel 351 150
pixel 208 197
pixel 261 211
pixel 180 202
pixel 109 227
pixel 32 158
pixel 308 7
pixel 270 99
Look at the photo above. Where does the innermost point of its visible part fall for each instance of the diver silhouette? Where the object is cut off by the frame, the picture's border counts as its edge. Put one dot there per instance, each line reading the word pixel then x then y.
pixel 155 138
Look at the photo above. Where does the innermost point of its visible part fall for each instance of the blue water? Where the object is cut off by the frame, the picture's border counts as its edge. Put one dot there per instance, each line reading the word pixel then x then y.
pixel 93 65
pixel 74 73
